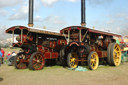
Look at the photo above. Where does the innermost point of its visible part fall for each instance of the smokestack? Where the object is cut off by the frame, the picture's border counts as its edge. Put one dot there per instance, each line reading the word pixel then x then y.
pixel 83 23
pixel 30 21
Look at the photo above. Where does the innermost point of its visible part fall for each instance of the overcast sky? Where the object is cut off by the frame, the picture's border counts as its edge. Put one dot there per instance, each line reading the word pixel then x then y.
pixel 56 14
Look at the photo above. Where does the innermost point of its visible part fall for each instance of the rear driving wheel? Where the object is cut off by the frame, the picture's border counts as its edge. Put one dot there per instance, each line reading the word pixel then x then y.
pixel 93 60
pixel 62 57
pixel 37 61
pixel 72 60
pixel 115 54
pixel 19 61
pixel 108 53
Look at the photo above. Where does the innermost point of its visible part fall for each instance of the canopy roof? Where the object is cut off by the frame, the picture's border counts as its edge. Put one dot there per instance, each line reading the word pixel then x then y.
pixel 17 30
pixel 90 30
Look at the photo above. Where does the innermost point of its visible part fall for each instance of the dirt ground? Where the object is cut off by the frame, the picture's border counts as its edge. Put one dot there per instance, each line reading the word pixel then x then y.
pixel 57 75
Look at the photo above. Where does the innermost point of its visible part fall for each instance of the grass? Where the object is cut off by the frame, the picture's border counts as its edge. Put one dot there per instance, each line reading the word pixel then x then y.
pixel 57 75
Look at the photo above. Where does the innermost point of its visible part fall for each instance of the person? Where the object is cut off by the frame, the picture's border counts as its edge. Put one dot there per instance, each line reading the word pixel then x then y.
pixel 2 51
pixel 9 54
pixel 0 57
pixel 11 59
pixel 13 53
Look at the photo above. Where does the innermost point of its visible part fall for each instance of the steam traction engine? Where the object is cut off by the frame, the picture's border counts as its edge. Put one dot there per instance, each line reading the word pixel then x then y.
pixel 72 45
pixel 37 46
pixel 89 45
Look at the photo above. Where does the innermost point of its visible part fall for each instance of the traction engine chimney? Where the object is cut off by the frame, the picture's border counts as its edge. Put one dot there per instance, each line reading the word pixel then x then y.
pixel 30 21
pixel 83 18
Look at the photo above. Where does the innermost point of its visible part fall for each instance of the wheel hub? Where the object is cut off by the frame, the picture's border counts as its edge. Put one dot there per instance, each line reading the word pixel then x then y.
pixel 38 61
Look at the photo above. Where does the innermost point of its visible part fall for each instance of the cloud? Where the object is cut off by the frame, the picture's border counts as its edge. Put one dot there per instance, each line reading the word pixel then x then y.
pixel 126 18
pixel 117 17
pixel 73 0
pixel 3 35
pixel 121 15
pixel 124 28
pixel 54 20
pixel 8 3
pixel 48 2
pixel 110 21
pixel 118 22
pixel 3 12
pixel 20 14
pixel 99 2
pixel 36 5
pixel 124 31
pixel 38 19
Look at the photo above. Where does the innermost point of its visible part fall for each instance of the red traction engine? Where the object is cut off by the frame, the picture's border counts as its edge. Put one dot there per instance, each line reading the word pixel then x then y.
pixel 89 46
pixel 37 46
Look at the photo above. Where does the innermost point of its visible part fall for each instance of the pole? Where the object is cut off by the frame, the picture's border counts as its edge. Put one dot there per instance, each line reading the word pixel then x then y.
pixel 83 18
pixel 30 22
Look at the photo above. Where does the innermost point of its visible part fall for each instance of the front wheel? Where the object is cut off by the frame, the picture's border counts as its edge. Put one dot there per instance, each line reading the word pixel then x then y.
pixel 72 60
pixel 19 61
pixel 93 60
pixel 37 61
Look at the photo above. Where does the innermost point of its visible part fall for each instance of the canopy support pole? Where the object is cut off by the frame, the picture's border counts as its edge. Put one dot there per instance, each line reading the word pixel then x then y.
pixel 12 36
pixel 21 36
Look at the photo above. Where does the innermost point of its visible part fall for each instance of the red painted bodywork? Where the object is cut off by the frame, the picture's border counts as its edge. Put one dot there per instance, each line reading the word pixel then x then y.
pixel 51 55
pixel 47 55
pixel 102 54
pixel 61 42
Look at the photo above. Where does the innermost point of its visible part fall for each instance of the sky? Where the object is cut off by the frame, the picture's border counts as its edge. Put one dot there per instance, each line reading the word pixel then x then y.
pixel 108 15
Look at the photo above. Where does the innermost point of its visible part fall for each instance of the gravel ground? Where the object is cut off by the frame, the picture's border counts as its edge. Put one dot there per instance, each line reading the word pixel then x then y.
pixel 57 75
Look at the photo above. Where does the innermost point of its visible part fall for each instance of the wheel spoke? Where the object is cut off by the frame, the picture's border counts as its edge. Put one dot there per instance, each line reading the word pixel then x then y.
pixel 35 64
pixel 40 58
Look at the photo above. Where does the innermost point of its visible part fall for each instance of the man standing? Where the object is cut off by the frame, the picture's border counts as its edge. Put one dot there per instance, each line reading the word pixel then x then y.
pixel 2 51
pixel 0 57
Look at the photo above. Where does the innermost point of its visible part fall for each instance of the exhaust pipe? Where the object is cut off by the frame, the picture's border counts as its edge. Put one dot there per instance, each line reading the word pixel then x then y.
pixel 83 18
pixel 30 21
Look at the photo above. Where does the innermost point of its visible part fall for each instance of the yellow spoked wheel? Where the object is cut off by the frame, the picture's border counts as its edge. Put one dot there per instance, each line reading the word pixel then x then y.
pixel 72 60
pixel 115 54
pixel 93 60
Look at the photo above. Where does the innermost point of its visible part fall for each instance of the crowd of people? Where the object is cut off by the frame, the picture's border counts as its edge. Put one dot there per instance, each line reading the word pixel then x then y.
pixel 8 59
